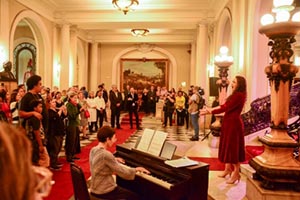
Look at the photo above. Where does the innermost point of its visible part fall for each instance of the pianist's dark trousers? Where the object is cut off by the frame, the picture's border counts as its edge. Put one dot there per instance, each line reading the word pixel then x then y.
pixel 118 193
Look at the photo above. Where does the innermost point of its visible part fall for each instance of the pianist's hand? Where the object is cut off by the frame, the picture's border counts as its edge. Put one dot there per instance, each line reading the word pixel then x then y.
pixel 142 170
pixel 120 160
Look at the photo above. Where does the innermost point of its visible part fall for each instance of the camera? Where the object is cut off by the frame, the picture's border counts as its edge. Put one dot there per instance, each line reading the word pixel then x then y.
pixel 201 91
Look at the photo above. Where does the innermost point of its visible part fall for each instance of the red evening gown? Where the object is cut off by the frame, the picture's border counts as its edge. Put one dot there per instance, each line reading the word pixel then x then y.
pixel 232 144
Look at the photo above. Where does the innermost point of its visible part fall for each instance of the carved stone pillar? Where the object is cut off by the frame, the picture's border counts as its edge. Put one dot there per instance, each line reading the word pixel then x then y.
pixel 276 165
pixel 223 63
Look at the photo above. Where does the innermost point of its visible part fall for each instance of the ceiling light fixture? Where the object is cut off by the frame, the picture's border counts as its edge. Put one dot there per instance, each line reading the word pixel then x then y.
pixel 125 5
pixel 139 32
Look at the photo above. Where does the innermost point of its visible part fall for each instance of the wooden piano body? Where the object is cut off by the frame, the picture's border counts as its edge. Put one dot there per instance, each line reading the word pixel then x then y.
pixel 165 182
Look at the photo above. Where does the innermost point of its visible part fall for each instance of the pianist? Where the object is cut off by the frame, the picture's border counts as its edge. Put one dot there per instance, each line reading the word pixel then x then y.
pixel 103 164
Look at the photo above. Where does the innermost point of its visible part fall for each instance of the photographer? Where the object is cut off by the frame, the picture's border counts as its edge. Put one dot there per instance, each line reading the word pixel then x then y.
pixel 169 107
pixel 194 102
pixel 202 100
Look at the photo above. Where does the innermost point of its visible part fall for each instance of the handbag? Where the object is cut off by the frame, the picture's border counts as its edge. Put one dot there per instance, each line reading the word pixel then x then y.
pixel 87 114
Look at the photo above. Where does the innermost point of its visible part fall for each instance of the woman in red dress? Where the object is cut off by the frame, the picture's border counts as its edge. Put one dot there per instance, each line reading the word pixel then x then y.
pixel 232 145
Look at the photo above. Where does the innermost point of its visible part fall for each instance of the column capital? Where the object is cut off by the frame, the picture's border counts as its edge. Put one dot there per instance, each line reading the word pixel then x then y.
pixel 73 29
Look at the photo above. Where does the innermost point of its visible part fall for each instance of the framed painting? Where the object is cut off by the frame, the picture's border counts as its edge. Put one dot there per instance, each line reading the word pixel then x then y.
pixel 142 73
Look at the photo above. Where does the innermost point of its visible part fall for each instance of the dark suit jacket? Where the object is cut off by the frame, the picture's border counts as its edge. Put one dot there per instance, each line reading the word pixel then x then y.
pixel 152 96
pixel 132 104
pixel 114 99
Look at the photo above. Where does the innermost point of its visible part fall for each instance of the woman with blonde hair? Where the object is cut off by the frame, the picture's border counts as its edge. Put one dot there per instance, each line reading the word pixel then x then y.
pixel 19 179
pixel 83 116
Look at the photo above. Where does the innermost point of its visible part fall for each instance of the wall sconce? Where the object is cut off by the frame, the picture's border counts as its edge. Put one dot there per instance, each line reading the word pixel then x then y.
pixel 2 56
pixel 125 5
pixel 211 70
pixel 139 32
pixel 297 61
pixel 223 62
pixel 282 9
pixel 223 59
pixel 183 84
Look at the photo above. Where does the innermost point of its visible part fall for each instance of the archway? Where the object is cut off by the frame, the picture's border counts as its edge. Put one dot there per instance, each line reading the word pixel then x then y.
pixel 24 61
pixel 42 41
pixel 155 51
pixel 223 36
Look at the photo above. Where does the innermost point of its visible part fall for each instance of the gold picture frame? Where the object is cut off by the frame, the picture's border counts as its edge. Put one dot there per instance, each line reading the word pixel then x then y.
pixel 142 73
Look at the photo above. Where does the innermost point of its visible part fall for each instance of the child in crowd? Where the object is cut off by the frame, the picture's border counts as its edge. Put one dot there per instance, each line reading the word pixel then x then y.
pixel 34 129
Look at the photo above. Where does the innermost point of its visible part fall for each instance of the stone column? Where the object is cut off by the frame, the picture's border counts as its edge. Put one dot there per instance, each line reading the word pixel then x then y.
pixel 94 67
pixel 56 57
pixel 73 73
pixel 276 166
pixel 193 64
pixel 65 57
pixel 223 83
pixel 4 32
pixel 202 50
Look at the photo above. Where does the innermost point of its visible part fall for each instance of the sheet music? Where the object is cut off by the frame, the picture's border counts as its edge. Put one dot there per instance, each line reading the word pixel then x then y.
pixel 181 162
pixel 157 143
pixel 145 140
pixel 168 150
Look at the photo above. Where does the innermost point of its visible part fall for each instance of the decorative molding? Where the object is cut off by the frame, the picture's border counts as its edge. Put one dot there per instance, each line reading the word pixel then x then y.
pixel 145 48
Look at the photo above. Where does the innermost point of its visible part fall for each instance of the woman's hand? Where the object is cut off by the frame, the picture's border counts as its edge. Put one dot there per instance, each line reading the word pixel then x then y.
pixel 142 170
pixel 205 111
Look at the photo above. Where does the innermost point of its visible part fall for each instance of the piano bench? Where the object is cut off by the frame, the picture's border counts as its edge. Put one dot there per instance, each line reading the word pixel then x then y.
pixel 95 198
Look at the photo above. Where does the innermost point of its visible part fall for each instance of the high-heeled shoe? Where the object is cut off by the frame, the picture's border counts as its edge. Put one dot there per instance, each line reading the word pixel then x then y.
pixel 225 173
pixel 233 179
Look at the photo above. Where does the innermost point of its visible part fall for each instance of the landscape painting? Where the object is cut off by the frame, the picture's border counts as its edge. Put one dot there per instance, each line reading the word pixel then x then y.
pixel 142 73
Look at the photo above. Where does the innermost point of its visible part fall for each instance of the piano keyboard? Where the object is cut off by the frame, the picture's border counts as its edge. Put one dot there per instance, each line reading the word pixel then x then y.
pixel 154 180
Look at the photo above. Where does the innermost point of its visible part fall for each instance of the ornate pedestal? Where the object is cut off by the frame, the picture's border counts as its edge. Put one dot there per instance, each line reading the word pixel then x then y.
pixel 277 167
pixel 254 191
pixel 215 130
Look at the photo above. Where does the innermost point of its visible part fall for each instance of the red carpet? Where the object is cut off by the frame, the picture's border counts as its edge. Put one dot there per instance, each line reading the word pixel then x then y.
pixel 63 188
pixel 216 165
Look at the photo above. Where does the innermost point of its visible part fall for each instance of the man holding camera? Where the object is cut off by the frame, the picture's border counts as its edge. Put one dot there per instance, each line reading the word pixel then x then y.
pixel 194 112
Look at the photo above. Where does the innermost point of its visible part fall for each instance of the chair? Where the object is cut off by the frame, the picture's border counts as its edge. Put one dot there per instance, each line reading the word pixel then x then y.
pixel 79 183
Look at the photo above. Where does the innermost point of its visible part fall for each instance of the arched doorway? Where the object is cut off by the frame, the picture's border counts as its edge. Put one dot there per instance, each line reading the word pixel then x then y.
pixel 24 61
pixel 35 33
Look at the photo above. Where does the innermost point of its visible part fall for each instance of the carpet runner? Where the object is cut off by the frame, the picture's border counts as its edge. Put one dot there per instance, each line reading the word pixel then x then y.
pixel 63 188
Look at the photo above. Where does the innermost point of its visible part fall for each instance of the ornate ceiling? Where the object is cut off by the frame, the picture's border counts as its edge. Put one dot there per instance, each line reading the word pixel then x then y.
pixel 169 21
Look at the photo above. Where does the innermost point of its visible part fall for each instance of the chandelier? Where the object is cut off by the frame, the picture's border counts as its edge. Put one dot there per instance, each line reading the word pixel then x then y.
pixel 139 32
pixel 125 5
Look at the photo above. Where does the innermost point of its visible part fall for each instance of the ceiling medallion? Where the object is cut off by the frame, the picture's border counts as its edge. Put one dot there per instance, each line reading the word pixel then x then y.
pixel 139 32
pixel 125 5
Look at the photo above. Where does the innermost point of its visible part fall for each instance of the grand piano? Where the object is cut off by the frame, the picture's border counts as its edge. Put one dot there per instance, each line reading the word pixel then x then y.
pixel 164 182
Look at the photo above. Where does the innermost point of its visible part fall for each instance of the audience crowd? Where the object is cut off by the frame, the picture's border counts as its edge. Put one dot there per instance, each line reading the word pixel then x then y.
pixel 48 116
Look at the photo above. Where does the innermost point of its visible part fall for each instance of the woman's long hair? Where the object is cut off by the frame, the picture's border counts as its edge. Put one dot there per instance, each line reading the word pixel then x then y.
pixel 241 86
pixel 17 177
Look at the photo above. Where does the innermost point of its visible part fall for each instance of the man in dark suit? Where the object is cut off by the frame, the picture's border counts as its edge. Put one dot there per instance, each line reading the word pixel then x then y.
pixel 105 97
pixel 115 98
pixel 152 100
pixel 125 93
pixel 132 105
